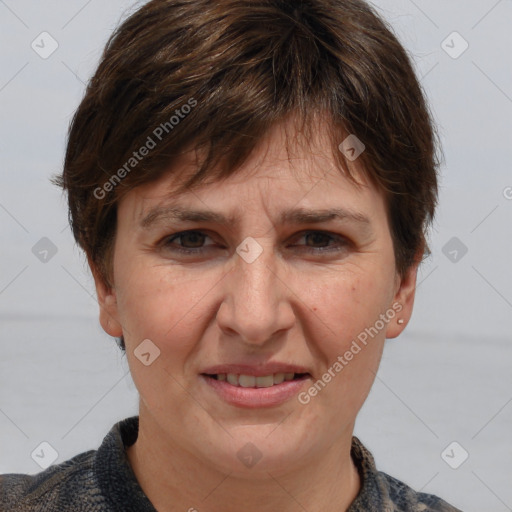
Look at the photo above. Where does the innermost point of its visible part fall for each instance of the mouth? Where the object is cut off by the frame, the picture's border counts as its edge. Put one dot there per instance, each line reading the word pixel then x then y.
pixel 255 391
pixel 253 381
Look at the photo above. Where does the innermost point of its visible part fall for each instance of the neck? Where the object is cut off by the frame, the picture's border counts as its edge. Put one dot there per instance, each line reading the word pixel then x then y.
pixel 174 479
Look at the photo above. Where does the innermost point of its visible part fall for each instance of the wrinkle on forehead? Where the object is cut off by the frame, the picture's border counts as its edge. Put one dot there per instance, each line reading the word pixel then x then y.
pixel 284 151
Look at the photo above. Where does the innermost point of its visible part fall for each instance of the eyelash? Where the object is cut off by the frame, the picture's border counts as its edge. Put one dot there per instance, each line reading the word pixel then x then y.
pixel 167 242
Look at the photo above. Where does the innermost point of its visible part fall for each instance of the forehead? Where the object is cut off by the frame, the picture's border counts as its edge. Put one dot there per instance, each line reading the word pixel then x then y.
pixel 288 197
pixel 277 176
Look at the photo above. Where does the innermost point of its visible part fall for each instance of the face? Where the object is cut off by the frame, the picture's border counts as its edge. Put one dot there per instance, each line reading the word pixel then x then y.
pixel 262 284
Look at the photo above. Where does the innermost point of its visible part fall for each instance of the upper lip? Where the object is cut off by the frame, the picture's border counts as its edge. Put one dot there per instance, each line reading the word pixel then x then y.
pixel 261 370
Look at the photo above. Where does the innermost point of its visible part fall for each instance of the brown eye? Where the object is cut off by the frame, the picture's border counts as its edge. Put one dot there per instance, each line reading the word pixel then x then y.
pixel 321 242
pixel 192 238
pixel 318 237
pixel 187 242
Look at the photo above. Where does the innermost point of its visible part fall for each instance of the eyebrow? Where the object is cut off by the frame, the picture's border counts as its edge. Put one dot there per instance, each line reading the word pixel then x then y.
pixel 292 216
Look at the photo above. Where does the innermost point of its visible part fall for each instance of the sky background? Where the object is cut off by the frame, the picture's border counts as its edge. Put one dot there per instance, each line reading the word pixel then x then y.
pixel 447 378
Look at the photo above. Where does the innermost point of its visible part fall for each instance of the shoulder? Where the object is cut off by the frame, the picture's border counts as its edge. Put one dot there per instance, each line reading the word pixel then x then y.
pixel 94 481
pixel 379 491
pixel 70 485
pixel 404 498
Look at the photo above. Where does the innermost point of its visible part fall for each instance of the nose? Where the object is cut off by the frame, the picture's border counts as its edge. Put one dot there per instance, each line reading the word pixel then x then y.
pixel 256 305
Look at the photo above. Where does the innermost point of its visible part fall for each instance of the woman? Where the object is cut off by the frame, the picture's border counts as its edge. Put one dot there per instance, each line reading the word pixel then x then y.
pixel 251 183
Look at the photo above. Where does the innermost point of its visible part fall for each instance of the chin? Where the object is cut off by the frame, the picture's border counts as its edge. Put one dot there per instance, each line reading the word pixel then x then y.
pixel 257 451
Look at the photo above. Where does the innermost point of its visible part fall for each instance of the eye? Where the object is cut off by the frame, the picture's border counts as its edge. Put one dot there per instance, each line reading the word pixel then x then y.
pixel 322 241
pixel 193 240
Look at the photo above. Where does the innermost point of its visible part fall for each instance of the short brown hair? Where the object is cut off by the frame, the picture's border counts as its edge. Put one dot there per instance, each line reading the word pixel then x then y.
pixel 241 66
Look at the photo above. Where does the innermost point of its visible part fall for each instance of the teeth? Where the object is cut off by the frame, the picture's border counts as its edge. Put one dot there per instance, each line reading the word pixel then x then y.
pixel 250 381
pixel 247 381
pixel 232 379
pixel 278 378
pixel 263 382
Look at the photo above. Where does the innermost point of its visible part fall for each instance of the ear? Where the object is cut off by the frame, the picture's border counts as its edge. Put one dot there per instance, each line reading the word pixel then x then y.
pixel 109 316
pixel 403 300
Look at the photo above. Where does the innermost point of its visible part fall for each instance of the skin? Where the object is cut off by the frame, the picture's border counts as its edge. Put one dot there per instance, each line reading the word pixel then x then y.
pixel 291 304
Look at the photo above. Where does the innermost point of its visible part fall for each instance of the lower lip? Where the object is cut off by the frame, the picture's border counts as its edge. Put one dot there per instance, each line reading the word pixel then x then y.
pixel 255 397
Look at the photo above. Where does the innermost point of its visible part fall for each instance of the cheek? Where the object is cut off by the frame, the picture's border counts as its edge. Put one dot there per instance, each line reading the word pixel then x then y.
pixel 347 303
pixel 164 306
pixel 343 319
pixel 160 303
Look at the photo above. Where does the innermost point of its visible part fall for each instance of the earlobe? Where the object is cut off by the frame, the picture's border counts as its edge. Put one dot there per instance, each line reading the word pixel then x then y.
pixel 107 300
pixel 404 296
pixel 109 316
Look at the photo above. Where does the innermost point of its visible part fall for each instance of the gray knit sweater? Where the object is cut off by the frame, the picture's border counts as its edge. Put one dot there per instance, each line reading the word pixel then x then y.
pixel 103 481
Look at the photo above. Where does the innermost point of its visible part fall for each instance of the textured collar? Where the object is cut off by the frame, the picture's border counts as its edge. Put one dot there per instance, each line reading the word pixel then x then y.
pixel 113 471
pixel 379 492
pixel 372 495
pixel 121 488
